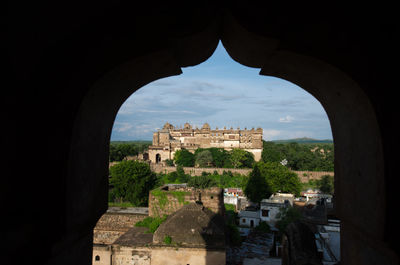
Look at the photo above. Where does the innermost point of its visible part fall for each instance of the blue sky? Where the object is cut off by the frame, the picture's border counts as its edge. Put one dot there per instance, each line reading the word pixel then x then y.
pixel 222 93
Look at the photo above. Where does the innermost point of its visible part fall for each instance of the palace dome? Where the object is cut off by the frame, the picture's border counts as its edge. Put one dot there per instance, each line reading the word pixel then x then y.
pixel 206 126
pixel 168 126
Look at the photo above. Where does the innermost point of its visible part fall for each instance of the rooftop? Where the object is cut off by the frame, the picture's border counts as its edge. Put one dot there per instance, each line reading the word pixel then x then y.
pixel 129 210
pixel 135 236
pixel 193 226
pixel 249 214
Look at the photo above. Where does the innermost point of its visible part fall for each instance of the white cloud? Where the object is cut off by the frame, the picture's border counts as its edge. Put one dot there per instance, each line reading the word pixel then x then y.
pixel 286 119
pixel 123 126
pixel 269 135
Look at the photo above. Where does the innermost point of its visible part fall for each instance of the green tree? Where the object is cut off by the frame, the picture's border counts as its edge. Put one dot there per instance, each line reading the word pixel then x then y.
pixel 169 162
pixel 184 158
pixel 202 182
pixel 221 157
pixel 271 152
pixel 326 184
pixel 132 181
pixel 204 158
pixel 181 176
pixel 119 151
pixel 280 178
pixel 257 187
pixel 241 158
pixel 312 157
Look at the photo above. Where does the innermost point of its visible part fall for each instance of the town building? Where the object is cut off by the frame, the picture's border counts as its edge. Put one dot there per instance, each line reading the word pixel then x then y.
pixel 196 236
pixel 270 208
pixel 315 193
pixel 233 196
pixel 267 212
pixel 233 192
pixel 169 139
pixel 249 217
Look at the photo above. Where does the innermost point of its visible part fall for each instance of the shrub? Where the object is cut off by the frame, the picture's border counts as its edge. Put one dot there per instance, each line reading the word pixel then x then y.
pixel 167 240
pixel 152 223
pixel 169 162
pixel 263 227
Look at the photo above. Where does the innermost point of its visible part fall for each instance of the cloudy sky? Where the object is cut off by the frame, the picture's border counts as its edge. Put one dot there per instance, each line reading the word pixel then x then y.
pixel 222 93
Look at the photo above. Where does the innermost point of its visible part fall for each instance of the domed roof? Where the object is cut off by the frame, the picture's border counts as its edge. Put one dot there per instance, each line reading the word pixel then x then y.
pixel 193 225
pixel 206 126
pixel 168 126
pixel 187 126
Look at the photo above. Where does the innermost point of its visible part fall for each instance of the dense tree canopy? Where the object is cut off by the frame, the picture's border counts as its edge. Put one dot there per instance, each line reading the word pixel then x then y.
pixel 177 176
pixel 241 158
pixel 280 178
pixel 257 187
pixel 236 158
pixel 132 181
pixel 221 157
pixel 225 180
pixel 204 159
pixel 120 150
pixel 184 158
pixel 312 157
pixel 202 182
pixel 326 185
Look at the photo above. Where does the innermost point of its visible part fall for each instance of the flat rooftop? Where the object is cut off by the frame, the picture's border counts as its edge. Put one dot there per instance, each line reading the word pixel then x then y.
pixel 129 210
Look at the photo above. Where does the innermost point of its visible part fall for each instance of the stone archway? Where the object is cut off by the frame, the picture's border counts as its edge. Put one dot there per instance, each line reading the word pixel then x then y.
pixel 358 142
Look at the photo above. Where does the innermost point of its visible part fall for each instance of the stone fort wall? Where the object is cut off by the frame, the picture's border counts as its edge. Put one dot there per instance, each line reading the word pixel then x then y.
pixel 304 176
pixel 196 171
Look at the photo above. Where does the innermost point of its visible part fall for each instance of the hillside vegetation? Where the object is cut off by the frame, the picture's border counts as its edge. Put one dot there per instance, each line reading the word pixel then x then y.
pixel 121 149
pixel 303 140
pixel 302 157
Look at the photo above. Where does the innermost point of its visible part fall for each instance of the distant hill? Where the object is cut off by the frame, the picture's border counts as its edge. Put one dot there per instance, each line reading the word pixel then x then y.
pixel 304 140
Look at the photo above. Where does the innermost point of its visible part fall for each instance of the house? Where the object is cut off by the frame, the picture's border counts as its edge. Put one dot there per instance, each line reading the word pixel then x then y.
pixel 233 192
pixel 249 217
pixel 192 235
pixel 234 196
pixel 268 211
pixel 270 208
pixel 316 193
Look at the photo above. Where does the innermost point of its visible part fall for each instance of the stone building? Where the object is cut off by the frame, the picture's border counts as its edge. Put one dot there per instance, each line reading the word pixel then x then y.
pixel 170 139
pixel 170 198
pixel 116 222
pixel 196 236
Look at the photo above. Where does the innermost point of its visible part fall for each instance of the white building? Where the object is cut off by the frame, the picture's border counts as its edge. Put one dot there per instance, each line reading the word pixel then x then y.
pixel 311 194
pixel 249 218
pixel 268 212
pixel 270 208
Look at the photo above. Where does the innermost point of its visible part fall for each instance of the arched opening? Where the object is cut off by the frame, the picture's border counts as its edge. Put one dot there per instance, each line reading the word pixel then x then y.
pixel 343 54
pixel 358 147
pixel 158 158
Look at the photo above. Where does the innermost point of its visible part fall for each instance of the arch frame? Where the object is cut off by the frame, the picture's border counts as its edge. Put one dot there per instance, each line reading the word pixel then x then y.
pixel 359 161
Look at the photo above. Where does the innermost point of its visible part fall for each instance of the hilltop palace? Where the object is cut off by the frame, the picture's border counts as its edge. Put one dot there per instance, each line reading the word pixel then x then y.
pixel 169 139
